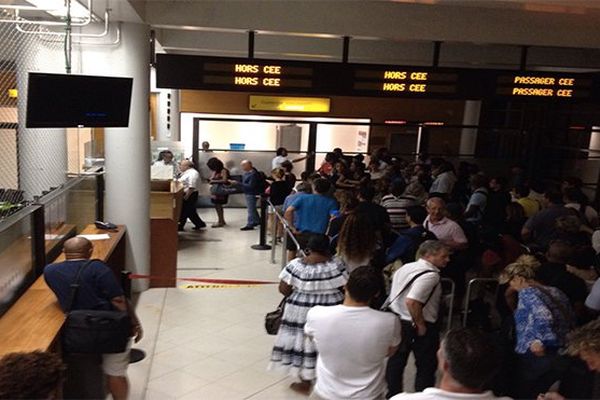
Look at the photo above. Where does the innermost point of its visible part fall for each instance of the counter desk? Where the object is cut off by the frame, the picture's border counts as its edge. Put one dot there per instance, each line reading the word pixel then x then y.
pixel 34 321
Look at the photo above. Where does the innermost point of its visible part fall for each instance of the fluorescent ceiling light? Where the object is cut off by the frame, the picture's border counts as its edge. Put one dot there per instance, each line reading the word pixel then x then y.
pixel 58 8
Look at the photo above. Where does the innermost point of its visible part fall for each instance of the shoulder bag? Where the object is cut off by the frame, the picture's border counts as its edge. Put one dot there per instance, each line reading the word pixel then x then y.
pixel 407 330
pixel 273 318
pixel 94 331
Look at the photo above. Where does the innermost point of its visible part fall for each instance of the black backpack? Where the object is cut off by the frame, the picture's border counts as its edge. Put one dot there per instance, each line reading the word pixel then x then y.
pixel 261 181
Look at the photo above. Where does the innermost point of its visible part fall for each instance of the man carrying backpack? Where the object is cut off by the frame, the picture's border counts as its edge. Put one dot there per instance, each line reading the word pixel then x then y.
pixel 253 185
pixel 408 241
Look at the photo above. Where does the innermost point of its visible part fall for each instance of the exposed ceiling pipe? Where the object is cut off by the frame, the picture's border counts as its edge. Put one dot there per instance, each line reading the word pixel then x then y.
pixel 92 35
pixel 19 20
pixel 116 41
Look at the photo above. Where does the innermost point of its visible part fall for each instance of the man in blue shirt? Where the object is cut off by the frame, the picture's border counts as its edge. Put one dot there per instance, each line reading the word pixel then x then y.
pixel 309 214
pixel 408 241
pixel 98 290
pixel 251 182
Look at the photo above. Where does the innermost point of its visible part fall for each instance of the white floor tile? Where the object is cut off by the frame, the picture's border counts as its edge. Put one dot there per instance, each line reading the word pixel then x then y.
pixel 214 391
pixel 176 384
pixel 211 343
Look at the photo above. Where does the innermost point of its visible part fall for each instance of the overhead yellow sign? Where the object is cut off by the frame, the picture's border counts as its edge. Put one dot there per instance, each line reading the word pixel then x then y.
pixel 294 104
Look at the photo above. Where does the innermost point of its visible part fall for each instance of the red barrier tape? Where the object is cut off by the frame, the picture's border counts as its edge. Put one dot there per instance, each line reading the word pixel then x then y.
pixel 205 280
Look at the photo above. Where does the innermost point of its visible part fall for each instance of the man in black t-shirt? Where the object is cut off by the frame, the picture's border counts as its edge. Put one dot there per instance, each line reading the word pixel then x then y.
pixel 98 290
pixel 553 272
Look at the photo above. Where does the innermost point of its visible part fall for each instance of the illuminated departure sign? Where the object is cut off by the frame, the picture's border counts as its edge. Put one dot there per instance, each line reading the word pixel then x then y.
pixel 403 81
pixel 558 86
pixel 316 79
pixel 257 75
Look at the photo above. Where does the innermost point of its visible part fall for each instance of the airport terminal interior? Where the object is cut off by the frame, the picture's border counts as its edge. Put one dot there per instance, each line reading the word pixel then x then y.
pixel 289 199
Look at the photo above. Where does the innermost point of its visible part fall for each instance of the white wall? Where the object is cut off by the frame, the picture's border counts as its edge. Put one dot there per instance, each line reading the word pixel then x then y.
pixel 263 136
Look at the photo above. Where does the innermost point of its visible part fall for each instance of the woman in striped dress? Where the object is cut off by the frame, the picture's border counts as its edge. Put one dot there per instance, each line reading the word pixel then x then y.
pixel 316 279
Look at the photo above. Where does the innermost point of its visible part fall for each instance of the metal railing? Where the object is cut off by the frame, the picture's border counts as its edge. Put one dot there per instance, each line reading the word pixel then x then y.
pixel 287 233
pixel 471 287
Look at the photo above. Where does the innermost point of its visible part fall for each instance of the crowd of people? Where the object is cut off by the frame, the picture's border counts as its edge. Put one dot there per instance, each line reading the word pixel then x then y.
pixel 384 234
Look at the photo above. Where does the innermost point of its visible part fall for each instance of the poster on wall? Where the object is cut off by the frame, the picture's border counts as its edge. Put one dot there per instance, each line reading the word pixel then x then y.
pixel 362 142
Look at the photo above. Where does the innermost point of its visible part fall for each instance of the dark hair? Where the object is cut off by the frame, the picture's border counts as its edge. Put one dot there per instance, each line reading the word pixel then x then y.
pixel 554 196
pixel 30 375
pixel 321 185
pixel 515 212
pixel 364 283
pixel 522 190
pixel 473 357
pixel 162 154
pixel 573 181
pixel 417 214
pixel 318 243
pixel 304 175
pixel 214 164
pixel 356 240
pixel 559 251
pixel 366 193
pixel 478 180
pixel 287 166
pixel 455 211
pixel 501 180
pixel 331 157
pixel 397 187
pixel 280 151
pixel 359 158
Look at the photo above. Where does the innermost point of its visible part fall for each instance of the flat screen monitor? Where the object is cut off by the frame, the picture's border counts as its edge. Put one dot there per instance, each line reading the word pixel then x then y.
pixel 64 101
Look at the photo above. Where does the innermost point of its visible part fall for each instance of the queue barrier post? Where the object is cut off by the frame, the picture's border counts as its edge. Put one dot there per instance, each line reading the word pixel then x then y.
pixel 471 288
pixel 273 233
pixel 284 249
pixel 449 283
pixel 135 355
pixel 262 244
pixel 126 283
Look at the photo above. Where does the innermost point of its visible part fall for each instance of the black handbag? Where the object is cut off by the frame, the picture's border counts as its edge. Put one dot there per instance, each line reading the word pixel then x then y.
pixel 220 189
pixel 273 319
pixel 94 331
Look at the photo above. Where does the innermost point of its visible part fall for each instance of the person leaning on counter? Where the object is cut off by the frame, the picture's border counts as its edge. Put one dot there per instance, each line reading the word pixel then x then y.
pixel 99 291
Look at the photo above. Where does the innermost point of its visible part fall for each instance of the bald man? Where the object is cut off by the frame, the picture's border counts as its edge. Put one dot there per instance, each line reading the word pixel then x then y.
pixel 99 290
pixel 252 186
pixel 190 179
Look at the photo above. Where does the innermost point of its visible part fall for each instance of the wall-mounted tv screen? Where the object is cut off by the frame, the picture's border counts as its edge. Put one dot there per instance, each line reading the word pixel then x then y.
pixel 64 101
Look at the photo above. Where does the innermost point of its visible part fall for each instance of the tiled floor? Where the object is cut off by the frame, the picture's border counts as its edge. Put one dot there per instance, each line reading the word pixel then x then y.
pixel 210 343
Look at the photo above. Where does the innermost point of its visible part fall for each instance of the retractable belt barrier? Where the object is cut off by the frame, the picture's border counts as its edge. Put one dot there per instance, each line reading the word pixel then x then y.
pixel 204 280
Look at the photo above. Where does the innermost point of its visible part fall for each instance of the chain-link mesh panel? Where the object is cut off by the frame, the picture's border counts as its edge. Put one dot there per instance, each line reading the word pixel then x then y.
pixel 33 160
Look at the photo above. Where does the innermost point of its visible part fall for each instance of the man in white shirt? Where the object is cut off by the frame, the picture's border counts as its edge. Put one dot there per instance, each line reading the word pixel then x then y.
pixel 282 156
pixel 442 227
pixel 353 341
pixel 415 298
pixel 468 360
pixel 189 178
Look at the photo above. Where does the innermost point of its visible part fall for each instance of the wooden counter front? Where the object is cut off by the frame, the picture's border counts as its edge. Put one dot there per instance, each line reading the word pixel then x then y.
pixel 166 198
pixel 34 321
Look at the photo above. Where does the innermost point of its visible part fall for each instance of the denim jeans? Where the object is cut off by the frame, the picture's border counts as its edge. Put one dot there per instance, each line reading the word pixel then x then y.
pixel 253 218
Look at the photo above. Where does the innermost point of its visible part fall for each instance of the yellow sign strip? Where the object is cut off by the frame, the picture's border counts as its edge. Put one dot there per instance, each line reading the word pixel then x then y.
pixel 201 286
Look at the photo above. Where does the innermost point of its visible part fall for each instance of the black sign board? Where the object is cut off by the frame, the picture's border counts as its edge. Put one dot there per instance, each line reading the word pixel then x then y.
pixel 321 78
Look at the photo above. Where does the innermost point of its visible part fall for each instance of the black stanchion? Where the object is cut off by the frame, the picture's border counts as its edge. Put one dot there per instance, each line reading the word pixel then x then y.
pixel 262 244
pixel 135 355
